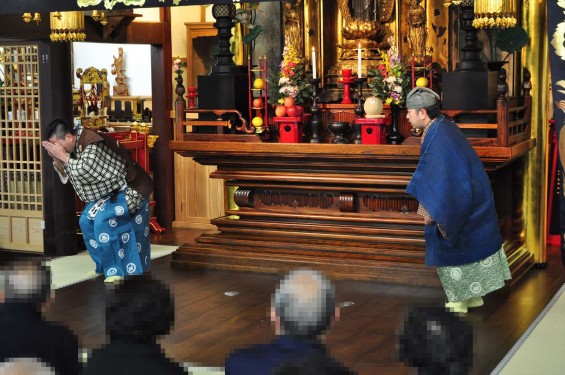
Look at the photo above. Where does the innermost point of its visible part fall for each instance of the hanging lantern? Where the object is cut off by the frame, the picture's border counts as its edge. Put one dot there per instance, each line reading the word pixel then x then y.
pixel 95 15
pixel 37 17
pixel 494 13
pixel 67 26
pixel 103 19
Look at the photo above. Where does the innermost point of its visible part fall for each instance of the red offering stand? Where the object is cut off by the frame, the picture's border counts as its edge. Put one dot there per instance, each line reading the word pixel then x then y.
pixel 290 128
pixel 373 130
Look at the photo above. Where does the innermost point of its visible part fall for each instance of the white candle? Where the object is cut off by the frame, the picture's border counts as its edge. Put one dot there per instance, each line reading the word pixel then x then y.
pixel 359 61
pixel 313 63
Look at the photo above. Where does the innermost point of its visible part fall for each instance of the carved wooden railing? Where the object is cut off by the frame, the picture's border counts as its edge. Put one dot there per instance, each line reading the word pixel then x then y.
pixel 229 118
pixel 220 122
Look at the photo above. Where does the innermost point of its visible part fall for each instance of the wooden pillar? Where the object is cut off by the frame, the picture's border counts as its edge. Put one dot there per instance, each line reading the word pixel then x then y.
pixel 55 72
pixel 162 161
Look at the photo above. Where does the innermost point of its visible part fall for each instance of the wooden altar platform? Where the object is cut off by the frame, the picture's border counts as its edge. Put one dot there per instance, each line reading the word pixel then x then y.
pixel 342 208
pixel 338 208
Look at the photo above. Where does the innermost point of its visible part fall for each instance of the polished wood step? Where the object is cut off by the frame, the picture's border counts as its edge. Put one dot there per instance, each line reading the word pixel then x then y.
pixel 221 257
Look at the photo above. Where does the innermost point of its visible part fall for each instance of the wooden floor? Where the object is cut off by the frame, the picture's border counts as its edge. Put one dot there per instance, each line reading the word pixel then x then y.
pixel 210 324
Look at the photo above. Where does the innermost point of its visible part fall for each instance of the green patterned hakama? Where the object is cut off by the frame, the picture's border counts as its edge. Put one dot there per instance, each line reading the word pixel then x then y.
pixel 475 279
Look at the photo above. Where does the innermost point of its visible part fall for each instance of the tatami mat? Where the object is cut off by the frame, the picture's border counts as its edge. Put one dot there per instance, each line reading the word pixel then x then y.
pixel 540 349
pixel 73 269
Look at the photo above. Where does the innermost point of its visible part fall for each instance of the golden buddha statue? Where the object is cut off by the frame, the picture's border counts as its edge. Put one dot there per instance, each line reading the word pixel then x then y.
pixel 292 26
pixel 416 21
pixel 364 23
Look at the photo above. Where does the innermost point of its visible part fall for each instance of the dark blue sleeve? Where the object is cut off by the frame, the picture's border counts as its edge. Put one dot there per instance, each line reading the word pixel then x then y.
pixel 442 181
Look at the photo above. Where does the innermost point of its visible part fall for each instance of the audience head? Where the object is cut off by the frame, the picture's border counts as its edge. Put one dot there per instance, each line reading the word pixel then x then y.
pixel 25 366
pixel 26 281
pixel 304 304
pixel 139 309
pixel 436 342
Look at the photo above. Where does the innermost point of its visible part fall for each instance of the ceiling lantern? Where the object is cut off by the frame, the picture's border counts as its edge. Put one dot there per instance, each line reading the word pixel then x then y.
pixel 494 13
pixel 67 26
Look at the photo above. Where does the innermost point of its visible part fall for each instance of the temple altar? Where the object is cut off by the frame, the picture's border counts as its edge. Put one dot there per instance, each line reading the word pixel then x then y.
pixel 340 208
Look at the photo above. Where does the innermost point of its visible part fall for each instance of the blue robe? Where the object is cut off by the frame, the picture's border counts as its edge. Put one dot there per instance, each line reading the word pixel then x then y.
pixel 451 184
pixel 119 244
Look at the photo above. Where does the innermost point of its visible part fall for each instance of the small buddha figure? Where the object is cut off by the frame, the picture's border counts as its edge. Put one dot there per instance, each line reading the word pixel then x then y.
pixel 292 26
pixel 121 89
pixel 416 21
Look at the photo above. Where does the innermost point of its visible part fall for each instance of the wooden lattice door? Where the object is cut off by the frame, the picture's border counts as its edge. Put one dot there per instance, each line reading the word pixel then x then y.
pixel 21 203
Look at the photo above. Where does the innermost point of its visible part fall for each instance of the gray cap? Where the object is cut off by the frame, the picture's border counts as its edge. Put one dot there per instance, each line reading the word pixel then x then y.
pixel 421 97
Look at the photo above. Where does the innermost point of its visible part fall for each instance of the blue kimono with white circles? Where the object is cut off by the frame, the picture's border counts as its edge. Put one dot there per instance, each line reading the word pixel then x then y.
pixel 118 243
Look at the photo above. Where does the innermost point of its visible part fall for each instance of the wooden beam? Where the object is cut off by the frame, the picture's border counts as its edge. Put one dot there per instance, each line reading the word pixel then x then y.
pixel 145 32
pixel 118 22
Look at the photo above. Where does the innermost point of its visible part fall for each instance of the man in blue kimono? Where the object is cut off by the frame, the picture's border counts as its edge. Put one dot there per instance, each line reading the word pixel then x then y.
pixel 115 220
pixel 461 230
pixel 302 309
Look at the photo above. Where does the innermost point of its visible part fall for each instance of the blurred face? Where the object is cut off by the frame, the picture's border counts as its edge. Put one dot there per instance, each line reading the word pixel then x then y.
pixel 418 118
pixel 68 143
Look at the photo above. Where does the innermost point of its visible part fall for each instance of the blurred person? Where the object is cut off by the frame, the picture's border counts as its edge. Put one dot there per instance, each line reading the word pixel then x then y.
pixel 25 366
pixel 436 342
pixel 463 238
pixel 311 364
pixel 302 309
pixel 25 332
pixel 139 310
pixel 115 220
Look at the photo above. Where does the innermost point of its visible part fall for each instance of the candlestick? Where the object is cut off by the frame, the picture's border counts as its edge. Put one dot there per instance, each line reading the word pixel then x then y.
pixel 313 63
pixel 359 75
pixel 359 110
pixel 316 118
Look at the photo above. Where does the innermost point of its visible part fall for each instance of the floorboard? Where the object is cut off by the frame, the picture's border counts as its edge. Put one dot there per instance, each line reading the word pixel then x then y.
pixel 210 324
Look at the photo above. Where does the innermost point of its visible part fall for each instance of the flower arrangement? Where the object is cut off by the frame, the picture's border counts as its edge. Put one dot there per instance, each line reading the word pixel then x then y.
pixel 390 82
pixel 178 64
pixel 291 80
